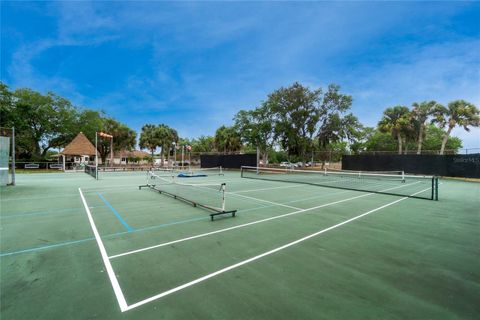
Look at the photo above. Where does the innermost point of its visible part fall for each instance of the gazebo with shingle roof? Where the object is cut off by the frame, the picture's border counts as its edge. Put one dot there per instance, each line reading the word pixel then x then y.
pixel 80 149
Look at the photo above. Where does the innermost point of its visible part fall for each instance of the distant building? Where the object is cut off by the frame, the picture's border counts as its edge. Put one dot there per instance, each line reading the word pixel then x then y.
pixel 79 151
pixel 131 157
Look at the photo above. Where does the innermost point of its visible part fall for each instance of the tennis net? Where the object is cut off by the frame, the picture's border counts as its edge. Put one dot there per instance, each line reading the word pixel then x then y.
pixel 400 184
pixel 91 170
pixel 210 196
pixel 189 172
pixel 192 172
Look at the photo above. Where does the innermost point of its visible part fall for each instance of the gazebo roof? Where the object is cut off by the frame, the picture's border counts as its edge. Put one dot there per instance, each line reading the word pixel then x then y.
pixel 80 146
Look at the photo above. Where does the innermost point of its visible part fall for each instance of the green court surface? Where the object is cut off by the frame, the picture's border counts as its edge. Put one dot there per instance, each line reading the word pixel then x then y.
pixel 293 251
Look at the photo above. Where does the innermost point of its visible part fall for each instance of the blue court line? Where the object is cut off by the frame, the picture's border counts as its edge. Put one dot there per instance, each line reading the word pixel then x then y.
pixel 35 213
pixel 61 244
pixel 27 214
pixel 125 224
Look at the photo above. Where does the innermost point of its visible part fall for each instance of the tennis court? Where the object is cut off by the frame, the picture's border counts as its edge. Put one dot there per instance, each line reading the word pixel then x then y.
pixel 73 247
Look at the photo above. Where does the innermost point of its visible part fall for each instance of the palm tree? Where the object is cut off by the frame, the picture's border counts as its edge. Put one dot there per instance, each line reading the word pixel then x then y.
pixel 227 139
pixel 397 122
pixel 166 136
pixel 420 114
pixel 149 138
pixel 457 113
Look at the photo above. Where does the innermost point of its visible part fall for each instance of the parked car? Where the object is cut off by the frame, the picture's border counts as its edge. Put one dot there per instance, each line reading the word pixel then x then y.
pixel 287 164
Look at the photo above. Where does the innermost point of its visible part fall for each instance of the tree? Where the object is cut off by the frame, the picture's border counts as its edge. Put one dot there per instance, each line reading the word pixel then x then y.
pixel 335 129
pixel 396 121
pixel 434 137
pixel 42 121
pixel 203 144
pixel 227 139
pixel 124 138
pixel 7 105
pixel 421 113
pixel 149 138
pixel 457 113
pixel 297 111
pixel 166 136
pixel 380 141
pixel 256 128
pixel 89 122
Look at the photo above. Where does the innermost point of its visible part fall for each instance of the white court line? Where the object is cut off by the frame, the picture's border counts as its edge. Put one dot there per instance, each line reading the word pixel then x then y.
pixel 245 225
pixel 261 200
pixel 262 189
pixel 108 266
pixel 241 263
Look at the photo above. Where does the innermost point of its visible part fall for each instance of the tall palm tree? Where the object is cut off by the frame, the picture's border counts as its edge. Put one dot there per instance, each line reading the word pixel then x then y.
pixel 227 139
pixel 420 114
pixel 396 121
pixel 149 138
pixel 457 113
pixel 166 136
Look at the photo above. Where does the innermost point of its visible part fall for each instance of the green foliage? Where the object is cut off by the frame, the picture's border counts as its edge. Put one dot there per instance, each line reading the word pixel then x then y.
pixel 380 141
pixel 124 138
pixel 434 137
pixel 297 111
pixel 149 138
pixel 457 113
pixel 203 144
pixel 161 136
pixel 45 122
pixel 295 117
pixel 227 139
pixel 397 122
pixel 420 114
pixel 256 128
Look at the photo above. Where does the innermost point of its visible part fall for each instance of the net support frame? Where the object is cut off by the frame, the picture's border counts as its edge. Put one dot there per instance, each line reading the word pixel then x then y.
pixel 214 211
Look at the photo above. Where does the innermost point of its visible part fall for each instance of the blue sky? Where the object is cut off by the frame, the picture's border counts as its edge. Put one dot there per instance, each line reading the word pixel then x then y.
pixel 193 65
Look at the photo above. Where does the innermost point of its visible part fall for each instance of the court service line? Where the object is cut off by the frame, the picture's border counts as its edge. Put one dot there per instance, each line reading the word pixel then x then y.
pixel 262 200
pixel 246 224
pixel 108 266
pixel 262 255
pixel 262 189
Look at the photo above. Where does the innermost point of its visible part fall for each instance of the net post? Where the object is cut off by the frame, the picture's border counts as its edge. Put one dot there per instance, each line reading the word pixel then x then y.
pixel 13 156
pixel 433 189
pixel 436 188
pixel 223 197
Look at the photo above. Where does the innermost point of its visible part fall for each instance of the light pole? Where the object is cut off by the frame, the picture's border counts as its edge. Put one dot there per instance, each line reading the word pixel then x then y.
pixel 96 155
pixel 183 156
pixel 174 154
